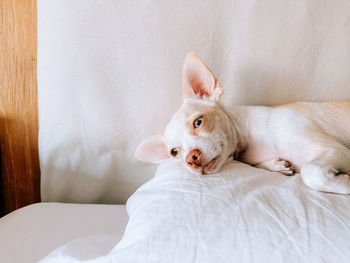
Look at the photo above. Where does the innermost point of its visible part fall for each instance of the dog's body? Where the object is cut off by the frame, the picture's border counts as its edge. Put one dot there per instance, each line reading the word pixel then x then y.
pixel 288 131
pixel 310 138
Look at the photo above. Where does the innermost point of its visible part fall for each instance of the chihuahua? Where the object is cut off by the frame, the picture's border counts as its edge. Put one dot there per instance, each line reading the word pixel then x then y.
pixel 307 137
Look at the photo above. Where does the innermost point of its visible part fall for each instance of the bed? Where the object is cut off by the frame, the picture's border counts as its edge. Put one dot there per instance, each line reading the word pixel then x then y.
pixel 241 213
pixel 109 75
pixel 40 228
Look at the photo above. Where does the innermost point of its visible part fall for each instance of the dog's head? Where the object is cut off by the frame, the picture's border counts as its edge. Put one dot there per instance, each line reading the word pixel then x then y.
pixel 201 133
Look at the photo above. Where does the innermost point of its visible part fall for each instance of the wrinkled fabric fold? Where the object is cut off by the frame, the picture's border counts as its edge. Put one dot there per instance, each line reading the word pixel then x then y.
pixel 242 214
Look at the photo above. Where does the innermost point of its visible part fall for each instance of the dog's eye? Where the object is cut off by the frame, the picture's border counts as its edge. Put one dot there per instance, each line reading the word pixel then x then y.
pixel 197 122
pixel 174 152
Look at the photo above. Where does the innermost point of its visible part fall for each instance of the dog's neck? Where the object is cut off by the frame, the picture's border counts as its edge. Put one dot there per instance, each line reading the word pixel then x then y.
pixel 236 129
pixel 241 119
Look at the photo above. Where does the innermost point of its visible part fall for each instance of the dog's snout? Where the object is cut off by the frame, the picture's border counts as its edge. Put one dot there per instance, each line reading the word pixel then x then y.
pixel 194 158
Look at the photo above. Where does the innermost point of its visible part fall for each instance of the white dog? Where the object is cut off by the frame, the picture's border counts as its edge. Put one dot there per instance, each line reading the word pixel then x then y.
pixel 310 138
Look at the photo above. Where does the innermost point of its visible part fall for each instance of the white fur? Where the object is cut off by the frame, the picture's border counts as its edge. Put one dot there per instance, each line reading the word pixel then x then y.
pixel 267 134
pixel 310 138
pixel 220 142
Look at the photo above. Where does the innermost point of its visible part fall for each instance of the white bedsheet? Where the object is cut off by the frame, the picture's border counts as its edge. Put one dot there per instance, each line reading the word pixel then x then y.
pixel 242 214
pixel 32 232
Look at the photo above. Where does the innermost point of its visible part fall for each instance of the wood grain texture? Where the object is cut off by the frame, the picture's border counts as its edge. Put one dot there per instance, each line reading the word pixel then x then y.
pixel 18 104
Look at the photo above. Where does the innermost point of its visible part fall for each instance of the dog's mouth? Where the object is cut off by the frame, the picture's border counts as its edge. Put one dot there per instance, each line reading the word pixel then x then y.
pixel 210 166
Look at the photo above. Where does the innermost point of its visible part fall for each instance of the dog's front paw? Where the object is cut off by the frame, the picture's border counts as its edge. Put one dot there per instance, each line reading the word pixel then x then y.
pixel 286 167
pixel 278 165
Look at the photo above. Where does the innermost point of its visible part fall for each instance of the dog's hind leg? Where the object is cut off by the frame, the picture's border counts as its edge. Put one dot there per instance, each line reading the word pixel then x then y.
pixel 329 171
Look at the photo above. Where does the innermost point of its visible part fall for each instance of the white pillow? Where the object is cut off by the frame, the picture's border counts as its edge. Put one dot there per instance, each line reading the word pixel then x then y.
pixel 109 75
pixel 242 214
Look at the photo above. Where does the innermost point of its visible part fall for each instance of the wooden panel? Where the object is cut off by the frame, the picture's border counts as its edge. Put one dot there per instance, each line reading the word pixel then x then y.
pixel 18 104
pixel 2 209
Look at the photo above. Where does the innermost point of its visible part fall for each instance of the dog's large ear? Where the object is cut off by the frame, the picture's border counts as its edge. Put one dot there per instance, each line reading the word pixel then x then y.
pixel 198 81
pixel 152 150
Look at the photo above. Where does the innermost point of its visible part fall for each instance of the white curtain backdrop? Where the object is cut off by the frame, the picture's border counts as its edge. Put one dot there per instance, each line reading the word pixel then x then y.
pixel 109 74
